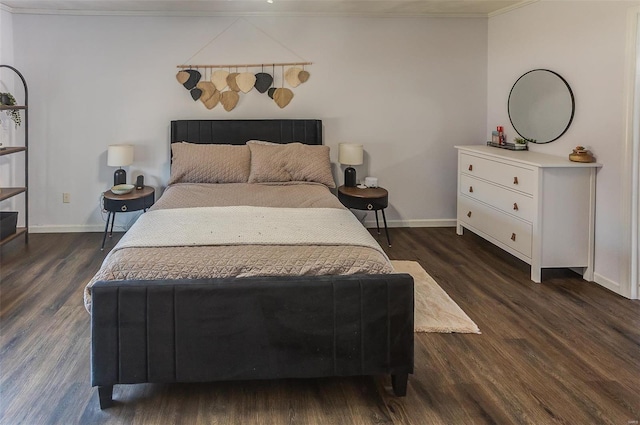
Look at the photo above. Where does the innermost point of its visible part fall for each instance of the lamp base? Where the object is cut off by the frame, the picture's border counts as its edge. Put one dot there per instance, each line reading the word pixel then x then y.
pixel 350 177
pixel 119 177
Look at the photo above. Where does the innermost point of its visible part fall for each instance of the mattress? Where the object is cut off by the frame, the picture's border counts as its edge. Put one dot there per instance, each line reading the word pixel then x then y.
pixel 245 260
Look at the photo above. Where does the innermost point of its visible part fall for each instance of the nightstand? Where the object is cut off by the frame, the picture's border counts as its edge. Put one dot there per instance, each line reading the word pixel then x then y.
pixel 368 199
pixel 137 199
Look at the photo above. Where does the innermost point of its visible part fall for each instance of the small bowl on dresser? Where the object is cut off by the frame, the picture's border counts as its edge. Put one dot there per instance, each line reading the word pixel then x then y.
pixel 122 189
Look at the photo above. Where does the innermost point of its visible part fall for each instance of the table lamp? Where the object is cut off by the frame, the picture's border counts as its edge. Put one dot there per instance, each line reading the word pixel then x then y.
pixel 350 154
pixel 119 156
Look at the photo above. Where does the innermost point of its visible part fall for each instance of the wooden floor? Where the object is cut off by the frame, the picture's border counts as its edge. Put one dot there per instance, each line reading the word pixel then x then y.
pixel 564 351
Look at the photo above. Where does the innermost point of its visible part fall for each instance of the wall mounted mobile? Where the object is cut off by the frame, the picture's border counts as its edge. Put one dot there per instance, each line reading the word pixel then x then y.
pixel 225 84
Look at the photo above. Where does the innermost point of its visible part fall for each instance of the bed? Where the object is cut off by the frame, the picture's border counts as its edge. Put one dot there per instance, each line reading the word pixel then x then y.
pixel 258 300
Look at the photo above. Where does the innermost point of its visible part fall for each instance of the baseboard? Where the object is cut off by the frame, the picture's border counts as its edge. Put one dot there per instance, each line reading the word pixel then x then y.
pixel 73 228
pixel 412 223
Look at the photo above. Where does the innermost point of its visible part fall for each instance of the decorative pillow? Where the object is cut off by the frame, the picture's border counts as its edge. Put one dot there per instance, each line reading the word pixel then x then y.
pixel 290 162
pixel 200 163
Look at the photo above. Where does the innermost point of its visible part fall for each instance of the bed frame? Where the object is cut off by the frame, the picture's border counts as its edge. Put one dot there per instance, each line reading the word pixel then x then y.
pixel 205 330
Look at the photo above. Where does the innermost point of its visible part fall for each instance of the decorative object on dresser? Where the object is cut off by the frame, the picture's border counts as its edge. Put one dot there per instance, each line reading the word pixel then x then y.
pixel 119 156
pixel 350 154
pixel 9 105
pixel 519 144
pixel 541 106
pixel 367 199
pixel 538 207
pixel 580 154
pixel 133 200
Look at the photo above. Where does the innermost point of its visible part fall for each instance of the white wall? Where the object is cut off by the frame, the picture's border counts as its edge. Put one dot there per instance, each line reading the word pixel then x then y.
pixel 408 89
pixel 584 41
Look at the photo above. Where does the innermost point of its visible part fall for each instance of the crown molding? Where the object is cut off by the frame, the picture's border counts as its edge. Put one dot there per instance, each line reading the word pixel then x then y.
pixel 157 13
pixel 508 9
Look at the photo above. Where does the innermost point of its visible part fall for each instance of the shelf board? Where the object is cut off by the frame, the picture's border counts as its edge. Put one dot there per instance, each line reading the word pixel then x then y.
pixel 11 149
pixel 19 231
pixel 12 107
pixel 8 192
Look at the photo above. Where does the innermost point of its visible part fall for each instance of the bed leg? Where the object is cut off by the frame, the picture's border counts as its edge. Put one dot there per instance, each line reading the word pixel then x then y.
pixel 105 394
pixel 399 384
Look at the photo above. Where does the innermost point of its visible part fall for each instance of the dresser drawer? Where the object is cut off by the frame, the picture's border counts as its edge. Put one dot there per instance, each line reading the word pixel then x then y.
pixel 513 177
pixel 514 233
pixel 514 203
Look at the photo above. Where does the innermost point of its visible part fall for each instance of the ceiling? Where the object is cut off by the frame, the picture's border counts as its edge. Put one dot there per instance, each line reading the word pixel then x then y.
pixel 439 8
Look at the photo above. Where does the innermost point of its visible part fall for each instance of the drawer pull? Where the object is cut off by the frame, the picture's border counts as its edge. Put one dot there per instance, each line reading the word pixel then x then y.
pixel 370 207
pixel 123 208
pixel 515 180
pixel 513 237
pixel 470 167
pixel 470 189
pixel 469 214
pixel 515 206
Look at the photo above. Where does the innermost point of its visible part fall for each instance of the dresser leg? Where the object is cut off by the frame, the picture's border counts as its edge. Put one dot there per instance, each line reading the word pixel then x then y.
pixel 459 229
pixel 536 274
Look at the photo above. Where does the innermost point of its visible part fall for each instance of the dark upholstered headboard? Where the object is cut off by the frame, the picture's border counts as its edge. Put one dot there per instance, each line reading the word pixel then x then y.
pixel 238 132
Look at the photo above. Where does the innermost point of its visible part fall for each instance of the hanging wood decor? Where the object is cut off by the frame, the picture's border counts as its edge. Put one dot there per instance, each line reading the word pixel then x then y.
pixel 292 76
pixel 212 92
pixel 219 79
pixel 231 81
pixel 208 89
pixel 229 100
pixel 213 100
pixel 246 81
pixel 263 81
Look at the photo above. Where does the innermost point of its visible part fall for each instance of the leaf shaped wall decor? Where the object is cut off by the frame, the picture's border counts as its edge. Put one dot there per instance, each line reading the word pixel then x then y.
pixel 229 100
pixel 245 81
pixel 182 76
pixel 194 77
pixel 263 82
pixel 219 79
pixel 303 76
pixel 196 93
pixel 213 100
pixel 282 97
pixel 292 76
pixel 231 81
pixel 207 88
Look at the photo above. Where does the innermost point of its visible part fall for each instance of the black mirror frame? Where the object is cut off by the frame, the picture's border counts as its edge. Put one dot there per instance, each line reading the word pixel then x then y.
pixel 573 103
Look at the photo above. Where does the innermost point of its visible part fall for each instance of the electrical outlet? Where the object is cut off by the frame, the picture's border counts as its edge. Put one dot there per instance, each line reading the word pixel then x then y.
pixel 66 198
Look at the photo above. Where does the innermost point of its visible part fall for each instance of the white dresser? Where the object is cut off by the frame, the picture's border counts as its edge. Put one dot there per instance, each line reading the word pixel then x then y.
pixel 538 207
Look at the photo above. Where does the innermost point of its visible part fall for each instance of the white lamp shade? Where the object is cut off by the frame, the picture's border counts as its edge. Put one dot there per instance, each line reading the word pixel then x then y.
pixel 350 154
pixel 120 155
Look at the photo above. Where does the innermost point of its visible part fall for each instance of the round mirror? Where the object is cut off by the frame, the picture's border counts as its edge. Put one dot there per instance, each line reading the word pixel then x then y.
pixel 541 106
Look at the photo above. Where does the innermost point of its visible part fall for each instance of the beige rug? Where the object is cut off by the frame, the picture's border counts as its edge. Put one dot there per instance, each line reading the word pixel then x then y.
pixel 434 311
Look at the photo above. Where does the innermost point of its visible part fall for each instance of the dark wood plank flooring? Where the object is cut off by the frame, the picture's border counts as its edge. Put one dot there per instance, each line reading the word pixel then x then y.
pixel 564 351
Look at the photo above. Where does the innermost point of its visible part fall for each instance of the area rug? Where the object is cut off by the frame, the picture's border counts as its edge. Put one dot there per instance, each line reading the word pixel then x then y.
pixel 434 310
